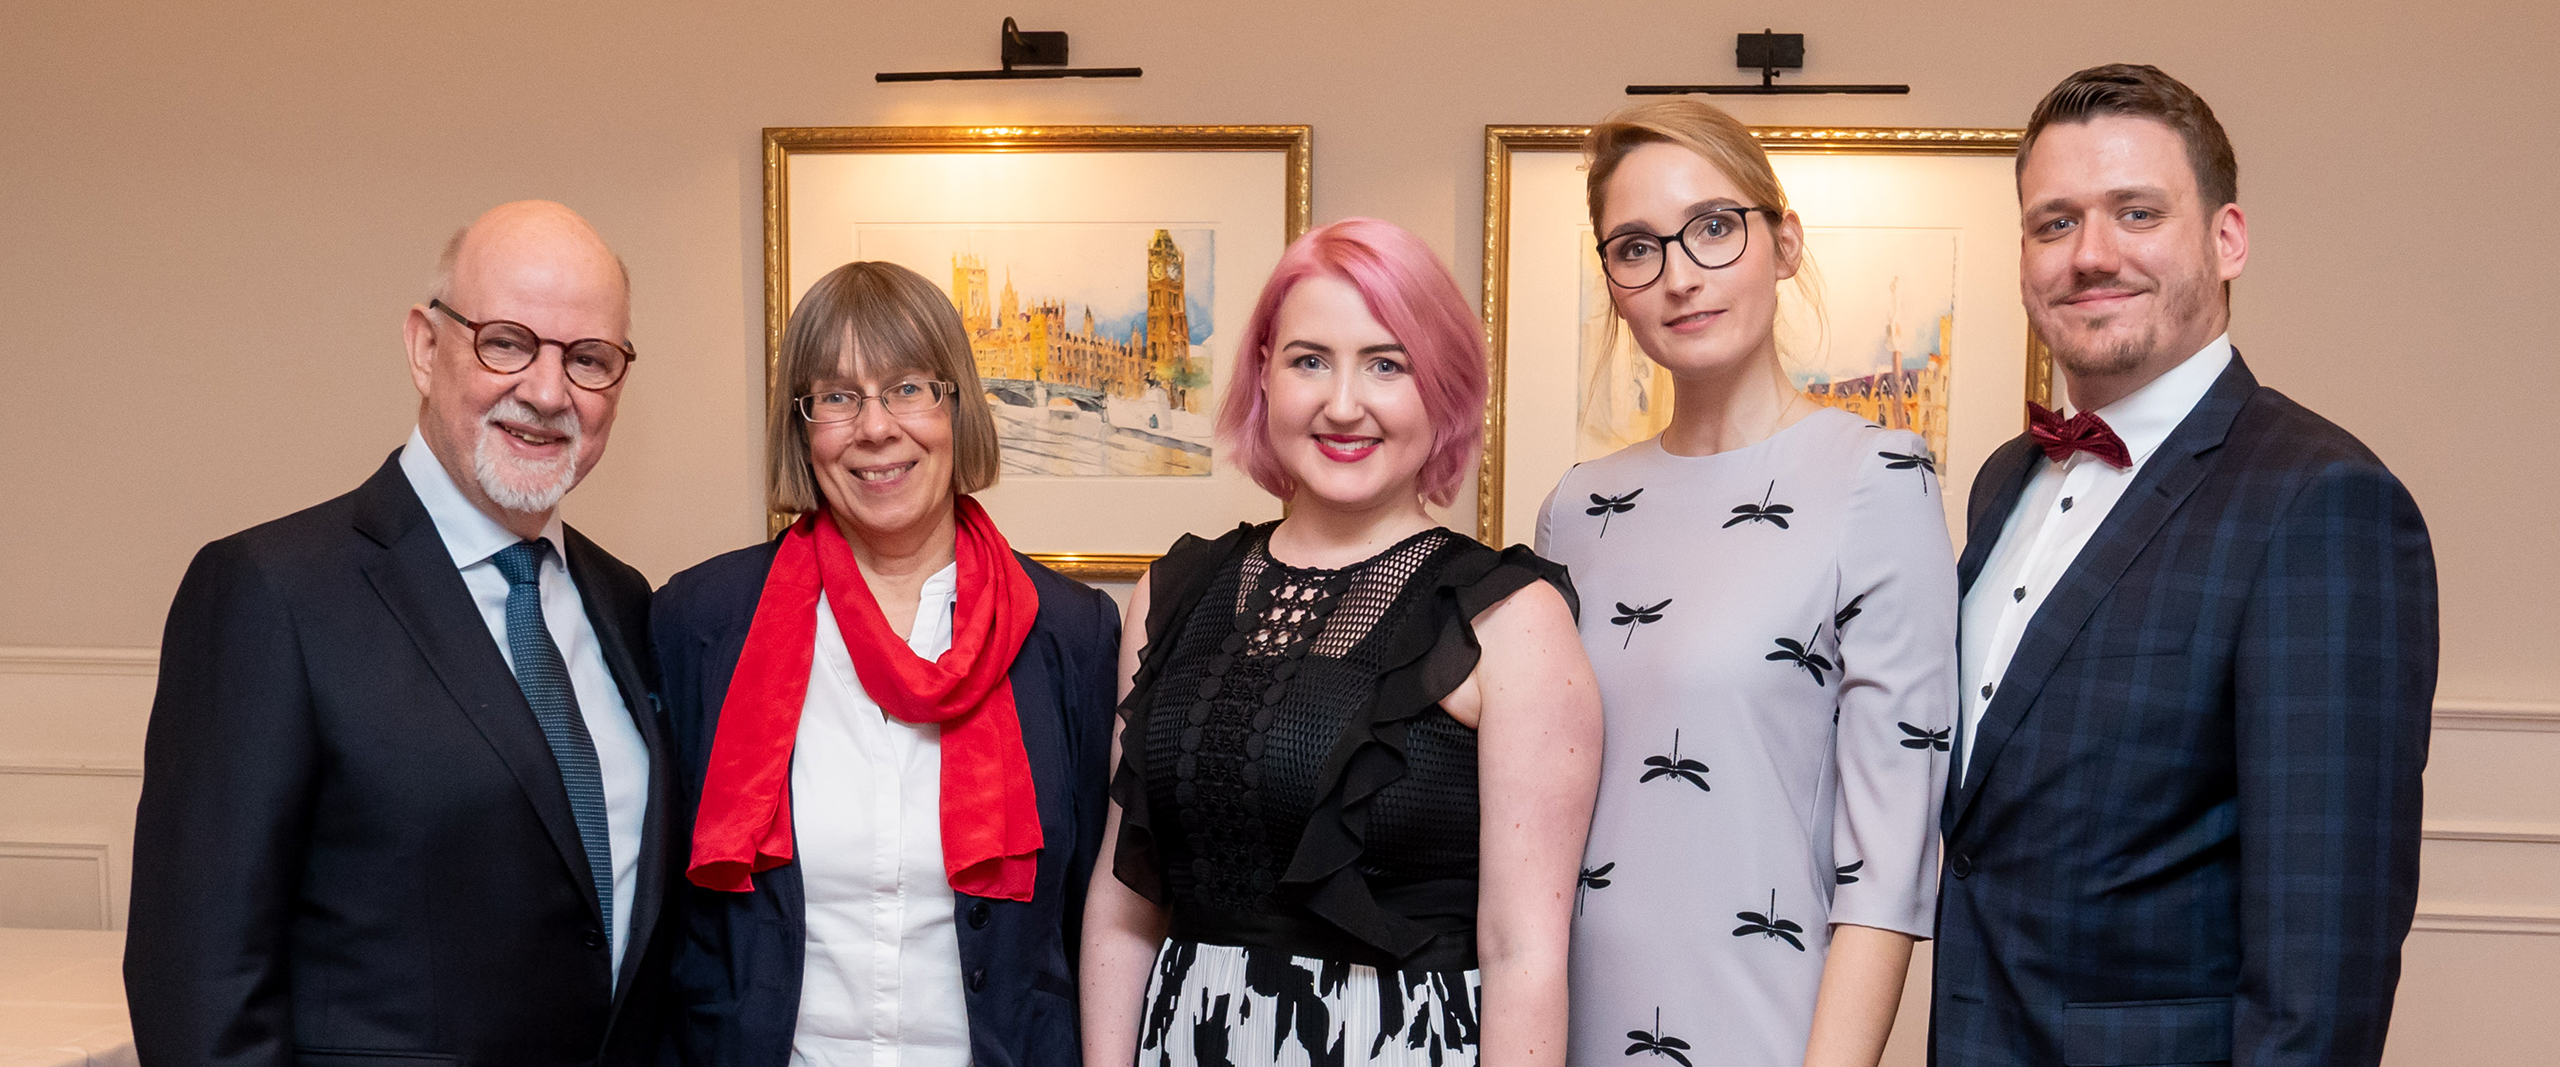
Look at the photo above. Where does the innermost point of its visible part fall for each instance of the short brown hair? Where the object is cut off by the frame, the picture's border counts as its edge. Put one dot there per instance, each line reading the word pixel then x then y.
pixel 884 319
pixel 2143 91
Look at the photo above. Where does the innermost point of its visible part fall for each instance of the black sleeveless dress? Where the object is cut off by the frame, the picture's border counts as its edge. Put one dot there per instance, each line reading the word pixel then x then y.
pixel 1294 796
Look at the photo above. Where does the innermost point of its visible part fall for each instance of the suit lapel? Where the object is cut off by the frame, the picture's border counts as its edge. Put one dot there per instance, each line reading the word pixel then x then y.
pixel 2166 480
pixel 1996 490
pixel 417 581
pixel 605 616
pixel 2005 475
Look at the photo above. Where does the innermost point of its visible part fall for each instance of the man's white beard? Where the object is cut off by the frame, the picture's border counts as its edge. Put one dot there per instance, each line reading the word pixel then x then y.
pixel 514 483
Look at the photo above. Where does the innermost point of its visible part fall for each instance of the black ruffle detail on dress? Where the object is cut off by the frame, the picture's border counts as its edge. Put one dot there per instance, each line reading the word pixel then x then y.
pixel 1423 664
pixel 1423 647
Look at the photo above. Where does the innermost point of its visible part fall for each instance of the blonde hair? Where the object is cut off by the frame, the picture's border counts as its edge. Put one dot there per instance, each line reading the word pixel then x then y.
pixel 1696 125
pixel 1718 138
pixel 885 319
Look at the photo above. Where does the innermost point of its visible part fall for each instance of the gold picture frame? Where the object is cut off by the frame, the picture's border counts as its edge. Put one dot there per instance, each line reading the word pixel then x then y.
pixel 1503 148
pixel 974 149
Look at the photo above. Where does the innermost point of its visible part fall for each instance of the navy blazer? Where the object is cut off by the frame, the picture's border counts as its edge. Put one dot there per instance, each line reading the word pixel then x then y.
pixel 2188 832
pixel 735 977
pixel 353 847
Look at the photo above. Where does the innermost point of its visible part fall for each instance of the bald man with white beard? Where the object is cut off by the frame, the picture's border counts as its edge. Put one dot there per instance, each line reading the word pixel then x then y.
pixel 404 794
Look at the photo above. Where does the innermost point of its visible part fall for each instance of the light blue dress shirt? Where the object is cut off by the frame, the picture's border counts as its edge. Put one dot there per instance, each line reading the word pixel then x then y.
pixel 474 539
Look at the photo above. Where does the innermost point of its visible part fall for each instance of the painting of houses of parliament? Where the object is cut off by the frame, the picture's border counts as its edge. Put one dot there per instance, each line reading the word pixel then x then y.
pixel 1904 398
pixel 1090 340
pixel 1882 344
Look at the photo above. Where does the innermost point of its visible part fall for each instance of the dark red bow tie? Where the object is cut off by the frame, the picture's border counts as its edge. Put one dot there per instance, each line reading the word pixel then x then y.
pixel 2084 432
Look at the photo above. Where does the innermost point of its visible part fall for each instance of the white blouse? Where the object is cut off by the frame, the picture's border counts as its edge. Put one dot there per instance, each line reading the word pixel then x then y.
pixel 881 984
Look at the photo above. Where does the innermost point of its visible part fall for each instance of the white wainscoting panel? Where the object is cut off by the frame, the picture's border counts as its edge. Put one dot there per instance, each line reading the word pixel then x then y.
pixel 71 726
pixel 54 887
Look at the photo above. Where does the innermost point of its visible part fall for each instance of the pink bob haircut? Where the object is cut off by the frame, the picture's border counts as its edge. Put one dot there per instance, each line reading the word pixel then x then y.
pixel 1411 293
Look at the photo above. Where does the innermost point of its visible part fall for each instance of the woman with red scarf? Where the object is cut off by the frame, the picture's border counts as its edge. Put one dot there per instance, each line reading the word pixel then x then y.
pixel 892 729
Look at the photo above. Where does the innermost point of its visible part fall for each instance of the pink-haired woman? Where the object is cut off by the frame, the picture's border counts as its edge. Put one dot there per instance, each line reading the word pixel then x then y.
pixel 1360 749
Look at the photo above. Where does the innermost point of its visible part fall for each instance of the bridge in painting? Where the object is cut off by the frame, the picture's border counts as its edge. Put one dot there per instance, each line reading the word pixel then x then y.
pixel 1024 393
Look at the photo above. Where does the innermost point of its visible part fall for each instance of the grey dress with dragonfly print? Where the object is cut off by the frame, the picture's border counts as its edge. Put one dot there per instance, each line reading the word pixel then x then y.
pixel 1774 631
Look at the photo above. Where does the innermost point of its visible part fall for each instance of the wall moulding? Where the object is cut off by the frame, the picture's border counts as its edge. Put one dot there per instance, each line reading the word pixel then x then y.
pixel 70 881
pixel 38 659
pixel 2529 716
pixel 72 770
pixel 2518 833
pixel 2544 924
pixel 144 661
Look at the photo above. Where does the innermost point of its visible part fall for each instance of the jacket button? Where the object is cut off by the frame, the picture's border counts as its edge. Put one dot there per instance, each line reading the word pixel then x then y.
pixel 978 980
pixel 978 915
pixel 594 939
pixel 1960 865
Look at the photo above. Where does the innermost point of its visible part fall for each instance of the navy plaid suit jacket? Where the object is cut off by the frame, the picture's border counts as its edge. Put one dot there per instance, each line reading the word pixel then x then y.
pixel 2189 830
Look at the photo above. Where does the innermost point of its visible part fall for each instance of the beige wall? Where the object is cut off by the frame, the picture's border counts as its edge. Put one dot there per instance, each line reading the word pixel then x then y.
pixel 212 217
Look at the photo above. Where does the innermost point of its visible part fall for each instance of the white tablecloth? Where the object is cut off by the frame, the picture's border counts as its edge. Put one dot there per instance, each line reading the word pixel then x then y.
pixel 62 999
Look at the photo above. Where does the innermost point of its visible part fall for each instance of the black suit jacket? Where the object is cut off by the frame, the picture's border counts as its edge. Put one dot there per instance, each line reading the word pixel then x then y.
pixel 737 965
pixel 2188 832
pixel 354 847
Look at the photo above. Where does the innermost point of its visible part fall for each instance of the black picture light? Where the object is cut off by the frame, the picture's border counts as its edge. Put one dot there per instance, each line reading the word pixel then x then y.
pixel 1043 52
pixel 1769 53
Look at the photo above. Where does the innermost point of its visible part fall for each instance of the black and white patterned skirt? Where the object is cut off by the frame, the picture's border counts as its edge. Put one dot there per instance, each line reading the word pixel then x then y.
pixel 1224 1006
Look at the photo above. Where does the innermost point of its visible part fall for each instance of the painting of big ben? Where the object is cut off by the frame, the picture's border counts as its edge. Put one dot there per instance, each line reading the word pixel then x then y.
pixel 1090 338
pixel 1100 274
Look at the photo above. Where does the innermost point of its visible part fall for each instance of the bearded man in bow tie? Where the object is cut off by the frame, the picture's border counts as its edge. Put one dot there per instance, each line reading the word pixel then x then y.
pixel 2198 651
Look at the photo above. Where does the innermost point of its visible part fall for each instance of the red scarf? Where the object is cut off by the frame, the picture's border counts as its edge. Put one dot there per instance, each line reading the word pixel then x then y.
pixel 990 814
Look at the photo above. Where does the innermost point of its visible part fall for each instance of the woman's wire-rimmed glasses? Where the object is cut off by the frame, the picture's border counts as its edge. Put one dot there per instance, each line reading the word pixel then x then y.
pixel 1714 239
pixel 902 399
pixel 592 363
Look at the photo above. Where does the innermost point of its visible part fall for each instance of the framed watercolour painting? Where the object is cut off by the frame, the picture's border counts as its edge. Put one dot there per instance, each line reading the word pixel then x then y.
pixel 1102 273
pixel 1909 317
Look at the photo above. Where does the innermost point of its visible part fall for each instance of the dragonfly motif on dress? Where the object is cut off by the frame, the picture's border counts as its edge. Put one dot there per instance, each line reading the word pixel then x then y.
pixel 1926 464
pixel 1631 618
pixel 1802 654
pixel 1840 655
pixel 1605 506
pixel 1764 511
pixel 1591 878
pixel 1924 740
pixel 1842 875
pixel 1672 766
pixel 1655 1042
pixel 1769 925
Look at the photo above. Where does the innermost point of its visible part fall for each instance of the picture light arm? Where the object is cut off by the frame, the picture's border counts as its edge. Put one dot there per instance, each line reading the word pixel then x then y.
pixel 1770 53
pixel 1042 52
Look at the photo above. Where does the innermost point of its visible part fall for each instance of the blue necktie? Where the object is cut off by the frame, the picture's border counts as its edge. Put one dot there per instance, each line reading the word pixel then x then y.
pixel 544 677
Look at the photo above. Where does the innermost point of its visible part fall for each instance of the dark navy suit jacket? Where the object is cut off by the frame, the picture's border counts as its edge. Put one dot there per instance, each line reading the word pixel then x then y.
pixel 354 848
pixel 2189 830
pixel 735 978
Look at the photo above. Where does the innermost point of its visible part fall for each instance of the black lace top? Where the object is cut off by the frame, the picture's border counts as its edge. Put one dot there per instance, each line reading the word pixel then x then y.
pixel 1288 778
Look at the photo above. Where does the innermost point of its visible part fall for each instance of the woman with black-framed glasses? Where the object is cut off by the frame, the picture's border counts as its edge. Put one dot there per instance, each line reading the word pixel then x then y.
pixel 1773 630
pixel 891 731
